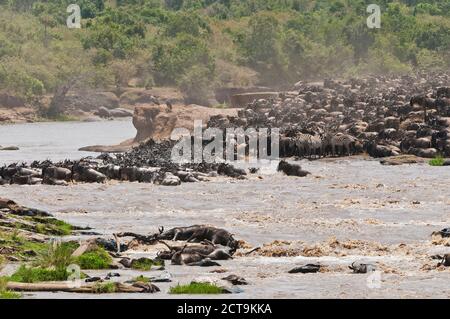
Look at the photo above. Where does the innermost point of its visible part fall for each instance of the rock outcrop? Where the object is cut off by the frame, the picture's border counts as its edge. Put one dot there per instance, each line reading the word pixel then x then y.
pixel 158 121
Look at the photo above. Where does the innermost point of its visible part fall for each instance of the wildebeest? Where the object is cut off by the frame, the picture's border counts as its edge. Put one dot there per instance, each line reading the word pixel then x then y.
pixel 291 169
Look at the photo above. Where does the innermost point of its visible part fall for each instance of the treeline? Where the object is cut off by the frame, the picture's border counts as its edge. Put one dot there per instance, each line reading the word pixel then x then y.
pixel 198 45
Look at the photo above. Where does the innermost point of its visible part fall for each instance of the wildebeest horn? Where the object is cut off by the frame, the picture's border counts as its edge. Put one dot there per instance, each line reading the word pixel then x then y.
pixel 161 229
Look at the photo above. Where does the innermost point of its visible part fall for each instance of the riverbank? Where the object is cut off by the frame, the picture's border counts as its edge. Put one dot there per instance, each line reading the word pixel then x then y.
pixel 348 210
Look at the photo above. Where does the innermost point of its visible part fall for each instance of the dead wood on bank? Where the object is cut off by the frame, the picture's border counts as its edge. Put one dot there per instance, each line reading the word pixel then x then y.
pixel 67 286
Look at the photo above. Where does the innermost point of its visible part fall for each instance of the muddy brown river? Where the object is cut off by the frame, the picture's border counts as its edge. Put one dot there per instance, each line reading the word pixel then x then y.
pixel 349 209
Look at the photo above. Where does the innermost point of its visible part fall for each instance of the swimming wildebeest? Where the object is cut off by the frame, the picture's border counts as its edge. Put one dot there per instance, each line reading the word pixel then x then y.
pixel 291 169
pixel 193 253
pixel 198 233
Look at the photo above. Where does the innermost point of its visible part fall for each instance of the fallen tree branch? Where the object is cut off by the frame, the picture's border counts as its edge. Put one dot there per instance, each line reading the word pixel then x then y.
pixel 68 286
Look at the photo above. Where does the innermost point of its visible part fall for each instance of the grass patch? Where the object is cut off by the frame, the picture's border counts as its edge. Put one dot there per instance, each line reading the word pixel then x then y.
pixel 141 278
pixel 437 161
pixel 18 245
pixel 38 274
pixel 202 288
pixel 8 294
pixel 146 263
pixel 61 118
pixel 51 226
pixel 58 255
pixel 105 288
pixel 4 292
pixel 95 259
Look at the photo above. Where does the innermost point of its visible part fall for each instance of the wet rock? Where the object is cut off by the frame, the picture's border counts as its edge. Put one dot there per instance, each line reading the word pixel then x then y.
pixel 207 262
pixel 401 159
pixel 9 148
pixel 116 112
pixel 235 280
pixel 126 262
pixel 360 268
pixel 93 279
pixel 170 180
pixel 444 233
pixel 164 277
pixel 306 269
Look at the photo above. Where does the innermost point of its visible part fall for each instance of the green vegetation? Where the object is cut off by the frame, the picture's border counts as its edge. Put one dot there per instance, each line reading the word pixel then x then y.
pixel 105 288
pixel 57 256
pixel 38 274
pixel 51 226
pixel 19 246
pixel 437 161
pixel 196 288
pixel 197 45
pixel 4 292
pixel 142 279
pixel 94 259
pixel 146 263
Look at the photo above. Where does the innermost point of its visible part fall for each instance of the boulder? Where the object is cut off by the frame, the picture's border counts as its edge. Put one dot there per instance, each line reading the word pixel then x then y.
pixel 170 180
pixel 91 100
pixel 401 159
pixel 117 112
pixel 158 121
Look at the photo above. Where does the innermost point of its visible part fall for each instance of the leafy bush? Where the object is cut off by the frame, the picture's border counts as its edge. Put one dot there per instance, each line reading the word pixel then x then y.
pixel 437 161
pixel 95 259
pixel 105 288
pixel 145 263
pixel 58 255
pixel 38 274
pixel 172 59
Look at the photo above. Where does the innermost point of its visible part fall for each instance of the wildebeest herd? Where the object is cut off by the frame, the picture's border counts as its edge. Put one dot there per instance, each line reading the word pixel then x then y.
pixel 380 115
pixel 384 116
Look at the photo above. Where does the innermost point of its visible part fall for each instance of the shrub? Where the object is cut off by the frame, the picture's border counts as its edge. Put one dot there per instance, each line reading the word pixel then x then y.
pixel 196 288
pixel 145 263
pixel 95 259
pixel 437 161
pixel 4 292
pixel 105 288
pixel 58 255
pixel 173 59
pixel 38 274
pixel 196 85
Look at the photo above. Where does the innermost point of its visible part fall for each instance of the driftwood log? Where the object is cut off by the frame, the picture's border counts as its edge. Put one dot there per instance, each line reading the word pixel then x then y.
pixel 68 286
